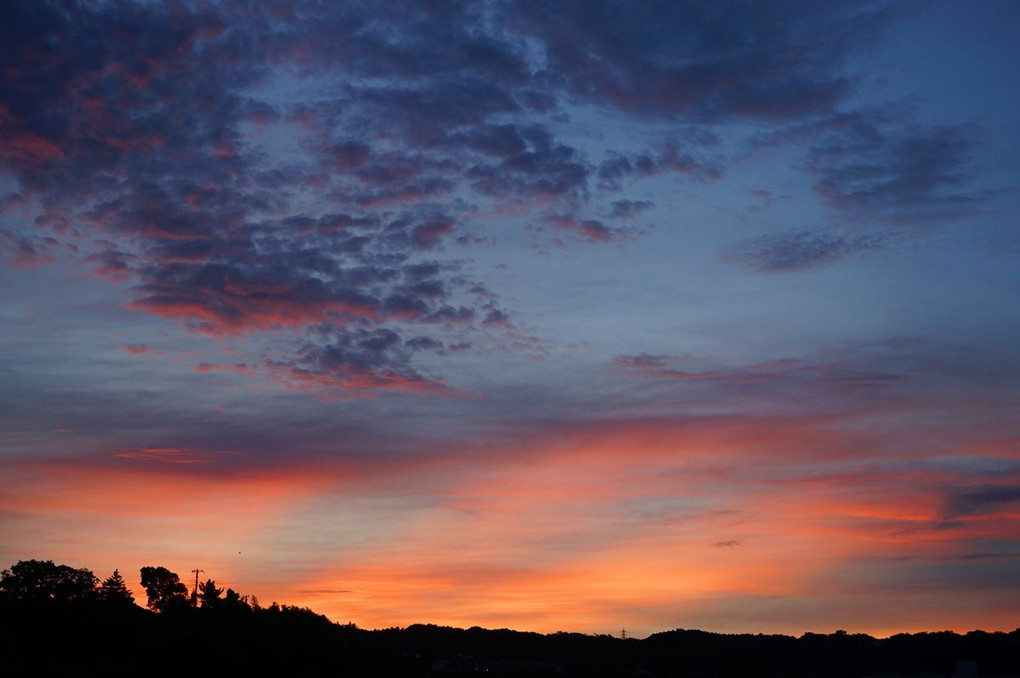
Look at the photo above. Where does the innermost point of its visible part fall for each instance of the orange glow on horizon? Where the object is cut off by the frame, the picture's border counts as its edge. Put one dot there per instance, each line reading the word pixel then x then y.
pixel 656 527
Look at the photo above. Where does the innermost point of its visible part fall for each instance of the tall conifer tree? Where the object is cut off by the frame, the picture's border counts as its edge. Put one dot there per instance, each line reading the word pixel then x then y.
pixel 114 591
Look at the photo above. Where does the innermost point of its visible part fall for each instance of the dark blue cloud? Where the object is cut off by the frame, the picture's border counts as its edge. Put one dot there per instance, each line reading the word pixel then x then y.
pixel 771 61
pixel 982 499
pixel 788 251
pixel 360 360
pixel 546 169
pixel 910 173
pixel 671 157
pixel 248 168
pixel 628 209
pixel 879 166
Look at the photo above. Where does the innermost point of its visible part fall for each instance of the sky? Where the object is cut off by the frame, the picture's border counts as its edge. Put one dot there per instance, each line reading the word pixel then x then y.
pixel 550 316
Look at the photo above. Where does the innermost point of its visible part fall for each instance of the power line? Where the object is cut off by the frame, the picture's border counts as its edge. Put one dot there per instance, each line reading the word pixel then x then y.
pixel 194 594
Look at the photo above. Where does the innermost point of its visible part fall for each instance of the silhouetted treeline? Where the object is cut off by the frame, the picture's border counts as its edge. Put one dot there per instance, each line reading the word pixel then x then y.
pixel 59 620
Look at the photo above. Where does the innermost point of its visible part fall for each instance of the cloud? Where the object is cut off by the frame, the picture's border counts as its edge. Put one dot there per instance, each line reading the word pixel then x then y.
pixel 982 500
pixel 906 173
pixel 26 251
pixel 591 230
pixel 206 214
pixel 112 264
pixel 253 171
pixel 546 170
pixel 878 166
pixel 628 209
pixel 657 367
pixel 238 368
pixel 360 360
pixel 225 298
pixel 702 58
pixel 851 376
pixel 789 251
pixel 424 344
pixel 618 168
pixel 503 141
pixel 163 455
pixel 641 361
pixel 497 318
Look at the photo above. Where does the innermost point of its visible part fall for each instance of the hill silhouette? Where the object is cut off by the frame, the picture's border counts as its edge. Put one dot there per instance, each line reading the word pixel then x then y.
pixel 60 620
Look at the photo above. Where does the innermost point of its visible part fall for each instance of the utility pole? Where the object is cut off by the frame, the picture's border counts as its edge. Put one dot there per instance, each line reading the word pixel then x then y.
pixel 194 593
pixel 623 633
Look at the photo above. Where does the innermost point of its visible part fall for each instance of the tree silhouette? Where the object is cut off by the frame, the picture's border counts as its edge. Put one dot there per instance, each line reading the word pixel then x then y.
pixel 114 591
pixel 209 594
pixel 164 589
pixel 41 580
pixel 232 600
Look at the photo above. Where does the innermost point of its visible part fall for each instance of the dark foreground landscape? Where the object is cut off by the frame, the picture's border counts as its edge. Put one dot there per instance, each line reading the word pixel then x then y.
pixel 60 621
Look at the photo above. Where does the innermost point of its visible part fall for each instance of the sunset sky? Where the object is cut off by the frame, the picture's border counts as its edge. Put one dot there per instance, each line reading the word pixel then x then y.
pixel 566 315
